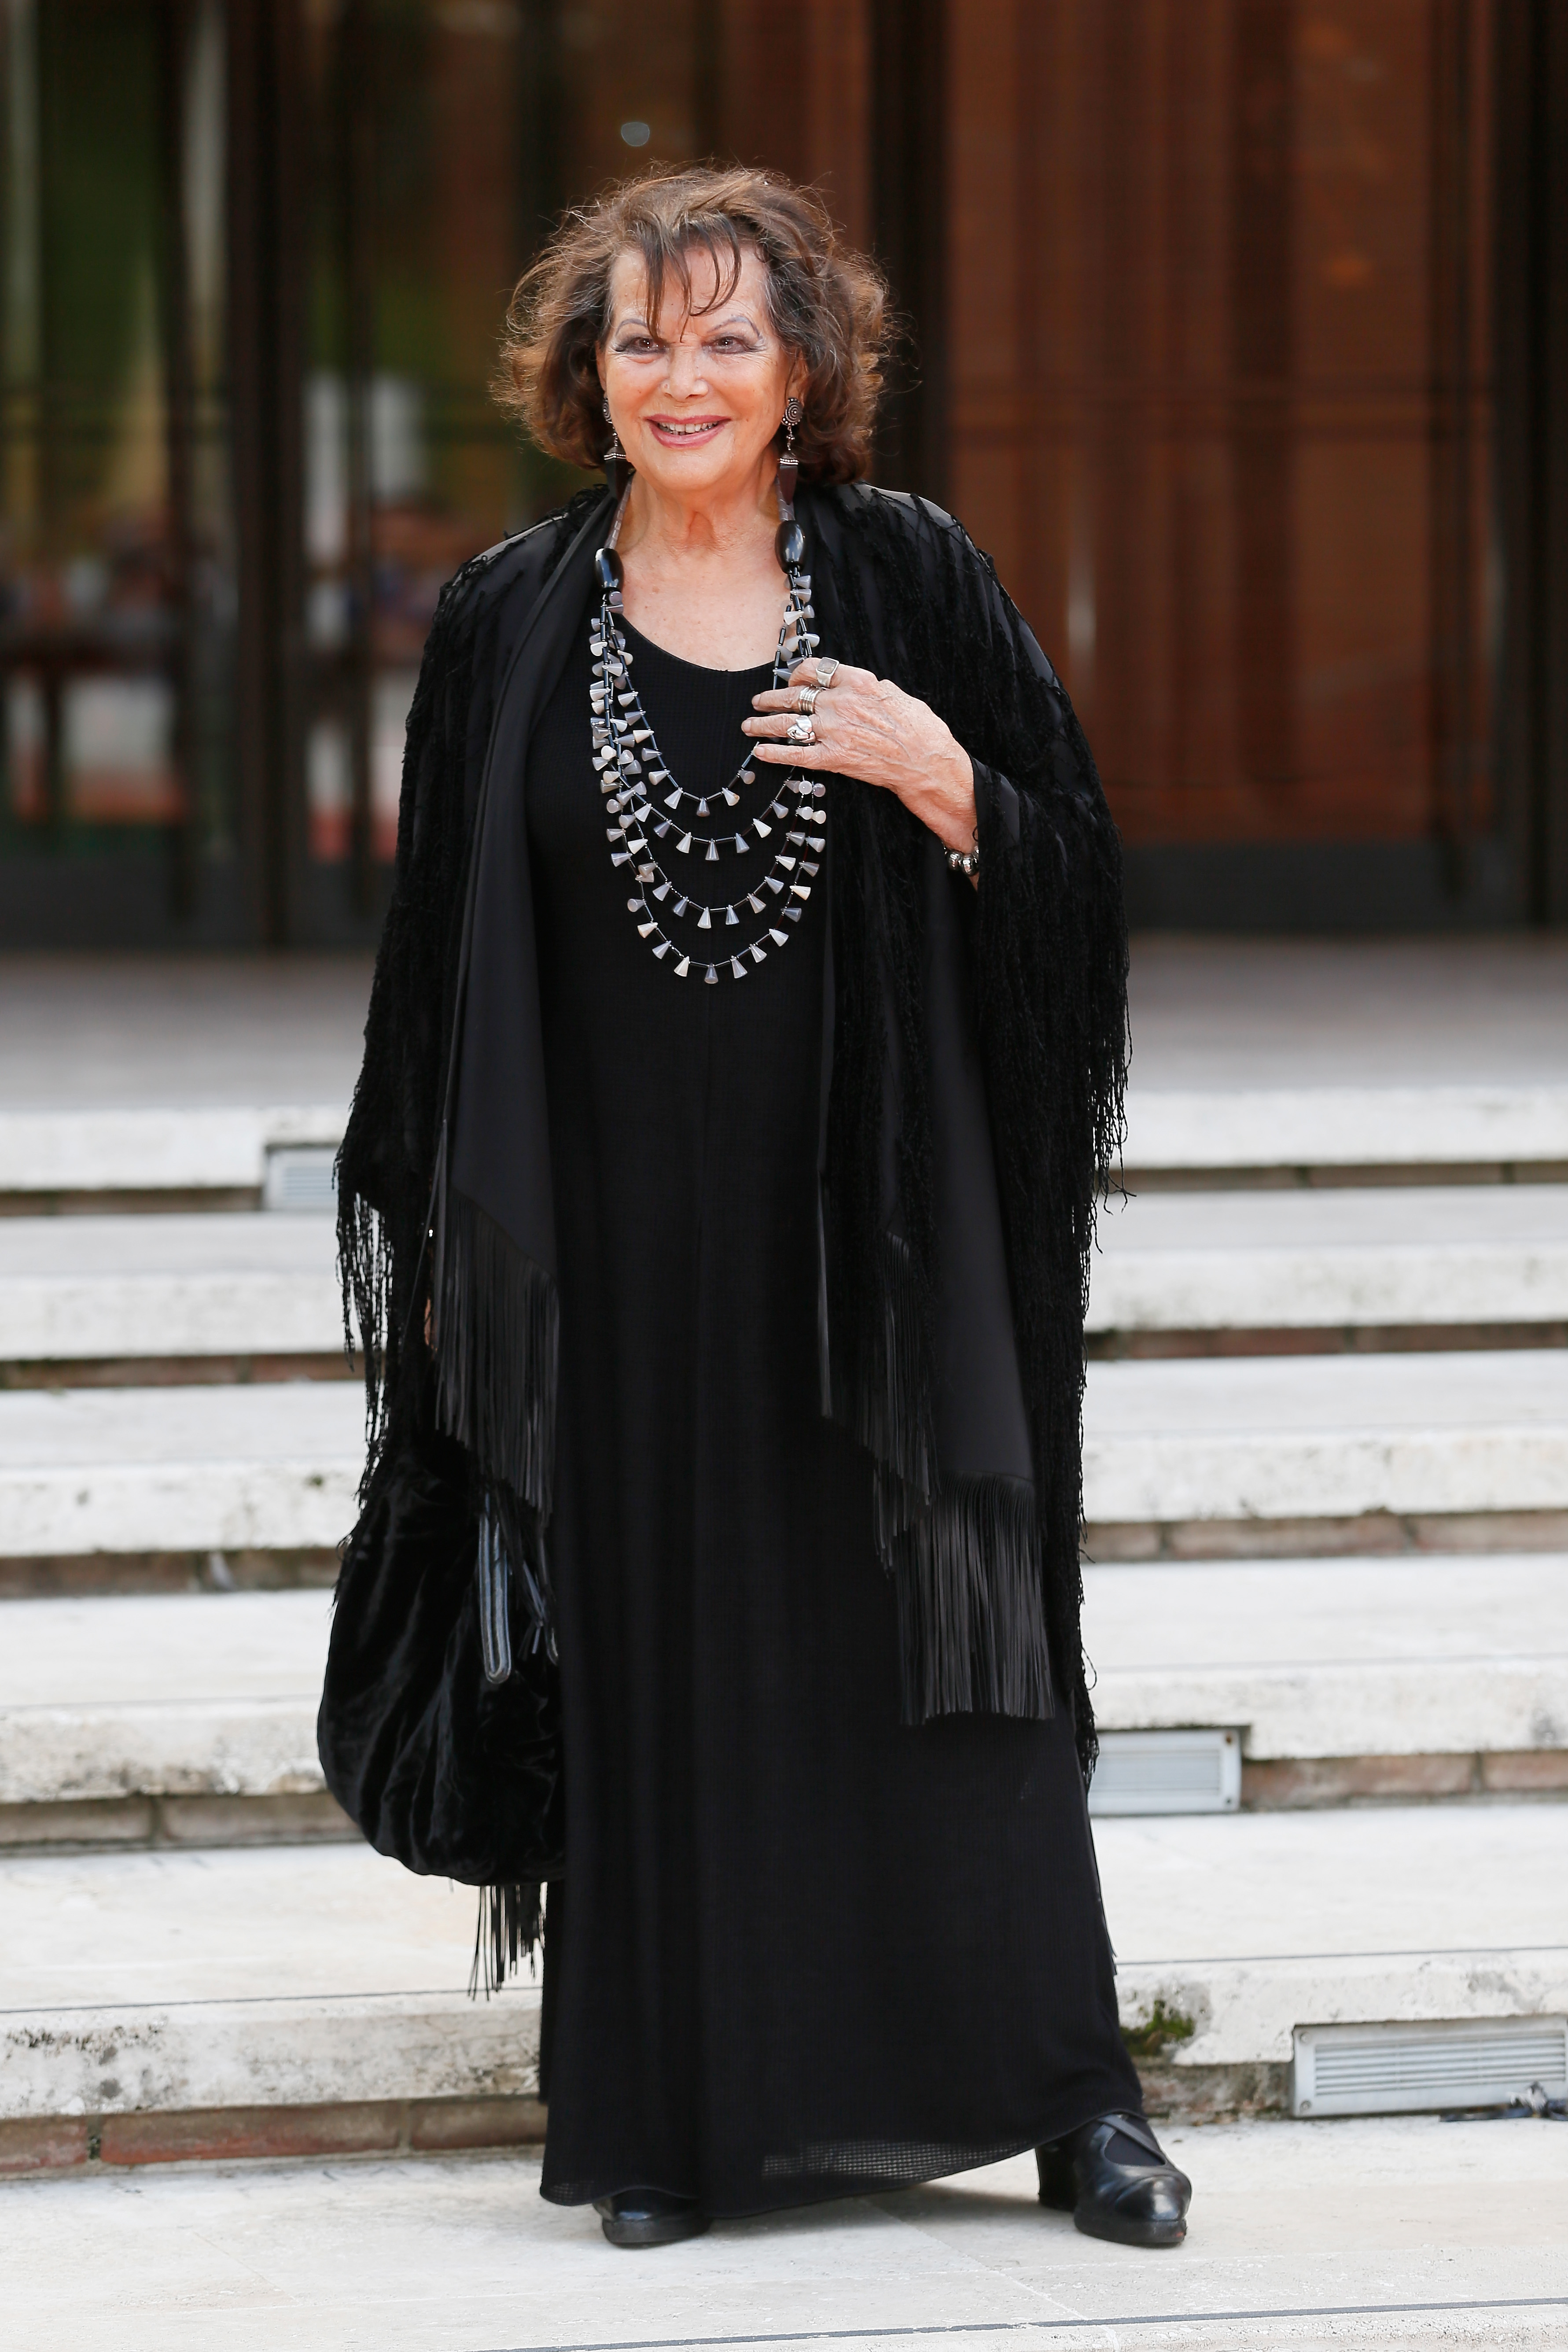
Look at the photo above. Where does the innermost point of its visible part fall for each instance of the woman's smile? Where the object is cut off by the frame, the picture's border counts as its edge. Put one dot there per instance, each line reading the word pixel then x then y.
pixel 681 432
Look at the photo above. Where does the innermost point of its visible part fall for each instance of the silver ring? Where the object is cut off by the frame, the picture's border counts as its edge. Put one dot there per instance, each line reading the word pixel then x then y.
pixel 825 669
pixel 800 733
pixel 806 699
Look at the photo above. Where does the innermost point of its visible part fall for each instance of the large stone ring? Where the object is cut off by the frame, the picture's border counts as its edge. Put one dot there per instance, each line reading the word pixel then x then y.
pixel 806 699
pixel 825 667
pixel 800 733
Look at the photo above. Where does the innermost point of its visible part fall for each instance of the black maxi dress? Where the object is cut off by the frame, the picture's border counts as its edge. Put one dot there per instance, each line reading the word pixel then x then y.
pixel 803 1951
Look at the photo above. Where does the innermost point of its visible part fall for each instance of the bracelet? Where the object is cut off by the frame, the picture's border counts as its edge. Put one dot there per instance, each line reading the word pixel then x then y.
pixel 965 861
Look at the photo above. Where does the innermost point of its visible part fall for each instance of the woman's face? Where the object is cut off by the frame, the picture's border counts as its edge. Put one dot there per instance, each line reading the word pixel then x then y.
pixel 696 401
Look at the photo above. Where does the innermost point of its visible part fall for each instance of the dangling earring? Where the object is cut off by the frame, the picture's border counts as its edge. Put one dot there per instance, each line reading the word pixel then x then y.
pixel 788 464
pixel 788 541
pixel 616 470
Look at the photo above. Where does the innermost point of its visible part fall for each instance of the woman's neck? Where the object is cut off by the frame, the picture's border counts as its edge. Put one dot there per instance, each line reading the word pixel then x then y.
pixel 717 525
pixel 702 578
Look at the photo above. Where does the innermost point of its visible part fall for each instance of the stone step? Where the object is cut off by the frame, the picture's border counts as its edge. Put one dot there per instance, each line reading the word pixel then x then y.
pixel 1330 1127
pixel 283 1977
pixel 1446 1255
pixel 168 1695
pixel 1347 1678
pixel 1305 1438
pixel 1392 2234
pixel 1295 1438
pixel 270 1467
pixel 1456 1666
pixel 123 1287
pixel 308 1977
pixel 128 1287
pixel 1243 1927
pixel 219 1147
pixel 76 1149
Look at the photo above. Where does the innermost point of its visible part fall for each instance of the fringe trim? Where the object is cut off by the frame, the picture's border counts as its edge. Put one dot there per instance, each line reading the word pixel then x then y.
pixel 972 1636
pixel 510 1923
pixel 497 1328
pixel 883 1400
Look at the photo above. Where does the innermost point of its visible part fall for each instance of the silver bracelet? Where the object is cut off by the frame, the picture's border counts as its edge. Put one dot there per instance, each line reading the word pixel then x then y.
pixel 965 861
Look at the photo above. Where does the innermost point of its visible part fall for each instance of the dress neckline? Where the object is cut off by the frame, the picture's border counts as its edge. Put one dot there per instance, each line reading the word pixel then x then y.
pixel 698 669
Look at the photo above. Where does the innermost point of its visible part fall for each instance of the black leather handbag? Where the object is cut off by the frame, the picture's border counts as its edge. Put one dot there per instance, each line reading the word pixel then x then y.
pixel 439 1728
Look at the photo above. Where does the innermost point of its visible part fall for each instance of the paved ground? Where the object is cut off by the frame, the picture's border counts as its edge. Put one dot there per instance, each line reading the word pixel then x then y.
pixel 1395 2233
pixel 102 1031
pixel 1213 1012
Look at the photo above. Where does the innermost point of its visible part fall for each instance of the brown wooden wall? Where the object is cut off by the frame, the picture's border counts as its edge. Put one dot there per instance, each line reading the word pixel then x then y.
pixel 1217 341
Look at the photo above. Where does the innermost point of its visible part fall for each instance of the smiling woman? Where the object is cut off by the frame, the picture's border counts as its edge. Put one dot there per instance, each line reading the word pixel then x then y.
pixel 765 1300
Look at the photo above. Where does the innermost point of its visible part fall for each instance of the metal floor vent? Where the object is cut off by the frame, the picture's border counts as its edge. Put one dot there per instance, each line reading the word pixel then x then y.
pixel 299 1177
pixel 1393 2069
pixel 1167 1773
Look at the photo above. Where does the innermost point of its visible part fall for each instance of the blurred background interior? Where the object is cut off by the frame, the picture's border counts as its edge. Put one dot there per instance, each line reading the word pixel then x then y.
pixel 1236 336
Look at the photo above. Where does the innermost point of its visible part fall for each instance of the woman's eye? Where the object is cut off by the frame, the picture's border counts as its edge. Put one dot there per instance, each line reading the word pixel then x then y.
pixel 635 344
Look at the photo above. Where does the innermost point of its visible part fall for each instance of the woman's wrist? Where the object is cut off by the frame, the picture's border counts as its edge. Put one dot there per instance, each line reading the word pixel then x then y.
pixel 944 800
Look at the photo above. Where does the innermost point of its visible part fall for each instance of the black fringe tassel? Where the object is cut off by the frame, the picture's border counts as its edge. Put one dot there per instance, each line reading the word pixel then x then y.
pixel 497 1319
pixel 881 1395
pixel 972 1633
pixel 510 1927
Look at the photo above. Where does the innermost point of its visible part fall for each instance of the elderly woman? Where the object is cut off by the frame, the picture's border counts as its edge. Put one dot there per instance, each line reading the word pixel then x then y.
pixel 746 1039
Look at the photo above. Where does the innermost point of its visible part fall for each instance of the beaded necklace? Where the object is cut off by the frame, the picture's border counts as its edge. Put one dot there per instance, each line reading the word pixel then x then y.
pixel 643 797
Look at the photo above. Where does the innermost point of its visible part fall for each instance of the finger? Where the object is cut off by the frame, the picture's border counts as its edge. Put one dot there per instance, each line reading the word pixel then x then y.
pixel 809 673
pixel 798 755
pixel 787 698
pixel 770 722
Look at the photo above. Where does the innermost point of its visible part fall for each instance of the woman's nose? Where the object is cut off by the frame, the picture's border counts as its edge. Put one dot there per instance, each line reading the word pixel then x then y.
pixel 684 373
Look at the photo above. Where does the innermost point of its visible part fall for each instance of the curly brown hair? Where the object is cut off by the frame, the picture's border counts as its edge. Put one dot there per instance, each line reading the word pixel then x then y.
pixel 829 305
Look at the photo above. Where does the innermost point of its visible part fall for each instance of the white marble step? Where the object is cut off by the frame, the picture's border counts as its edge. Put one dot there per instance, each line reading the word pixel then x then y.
pixel 236 1467
pixel 306 1975
pixel 213 1284
pixel 1419 1255
pixel 1389 2235
pixel 161 1695
pixel 1327 1126
pixel 61 1148
pixel 1327 1436
pixel 199 1694
pixel 182 1148
pixel 81 1287
pixel 274 1466
pixel 1250 1924
pixel 284 1976
pixel 1440 1655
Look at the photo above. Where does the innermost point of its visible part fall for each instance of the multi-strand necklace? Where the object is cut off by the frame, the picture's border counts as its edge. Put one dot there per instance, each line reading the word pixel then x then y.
pixel 646 805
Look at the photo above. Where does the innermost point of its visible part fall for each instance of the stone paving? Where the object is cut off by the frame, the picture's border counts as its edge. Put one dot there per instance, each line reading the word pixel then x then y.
pixel 1413 2232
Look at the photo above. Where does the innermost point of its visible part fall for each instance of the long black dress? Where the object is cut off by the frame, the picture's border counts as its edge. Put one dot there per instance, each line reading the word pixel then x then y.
pixel 802 1951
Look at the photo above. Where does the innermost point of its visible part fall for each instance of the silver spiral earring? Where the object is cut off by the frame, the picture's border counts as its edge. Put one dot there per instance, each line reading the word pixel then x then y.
pixel 616 470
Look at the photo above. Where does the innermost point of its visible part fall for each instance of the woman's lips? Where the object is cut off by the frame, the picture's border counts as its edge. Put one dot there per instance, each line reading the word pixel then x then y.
pixel 688 432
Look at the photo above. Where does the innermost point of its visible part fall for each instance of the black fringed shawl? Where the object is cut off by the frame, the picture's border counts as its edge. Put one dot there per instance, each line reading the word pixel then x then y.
pixel 937 1218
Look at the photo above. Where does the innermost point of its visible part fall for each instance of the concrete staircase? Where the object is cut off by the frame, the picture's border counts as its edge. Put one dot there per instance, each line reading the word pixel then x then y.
pixel 1327 1598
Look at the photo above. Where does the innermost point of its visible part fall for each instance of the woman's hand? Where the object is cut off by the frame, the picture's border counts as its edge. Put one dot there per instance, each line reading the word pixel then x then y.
pixel 868 728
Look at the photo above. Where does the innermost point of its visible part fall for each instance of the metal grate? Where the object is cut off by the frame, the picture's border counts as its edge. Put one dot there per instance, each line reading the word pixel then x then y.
pixel 1385 2070
pixel 1167 1773
pixel 299 1177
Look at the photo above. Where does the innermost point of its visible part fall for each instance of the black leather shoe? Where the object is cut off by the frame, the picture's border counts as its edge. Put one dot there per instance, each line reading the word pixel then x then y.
pixel 649 2216
pixel 1100 2175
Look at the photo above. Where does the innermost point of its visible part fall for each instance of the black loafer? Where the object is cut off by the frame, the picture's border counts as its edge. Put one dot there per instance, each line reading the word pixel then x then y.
pixel 1095 2174
pixel 649 2216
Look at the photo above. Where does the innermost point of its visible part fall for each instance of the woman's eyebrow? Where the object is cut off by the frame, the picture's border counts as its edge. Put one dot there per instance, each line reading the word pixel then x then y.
pixel 635 319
